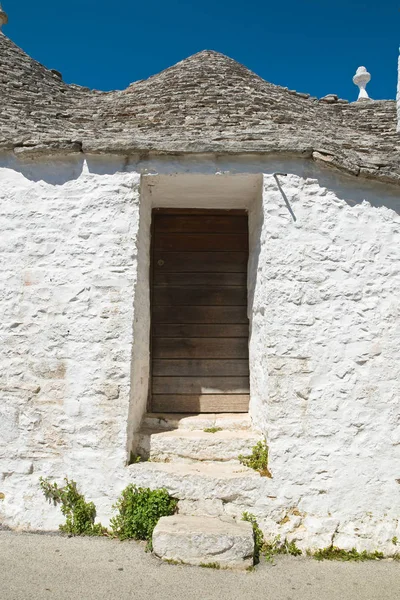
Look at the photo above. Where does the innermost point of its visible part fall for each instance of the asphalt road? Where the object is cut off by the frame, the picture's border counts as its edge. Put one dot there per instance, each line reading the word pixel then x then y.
pixel 48 567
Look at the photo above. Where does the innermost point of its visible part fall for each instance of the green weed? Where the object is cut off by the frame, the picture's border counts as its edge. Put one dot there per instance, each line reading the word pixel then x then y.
pixel 213 565
pixel 268 549
pixel 258 460
pixel 79 514
pixel 139 510
pixel 135 458
pixel 275 547
pixel 257 533
pixel 334 553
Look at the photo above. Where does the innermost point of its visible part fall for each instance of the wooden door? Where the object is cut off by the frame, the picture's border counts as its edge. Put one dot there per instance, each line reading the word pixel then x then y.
pixel 199 337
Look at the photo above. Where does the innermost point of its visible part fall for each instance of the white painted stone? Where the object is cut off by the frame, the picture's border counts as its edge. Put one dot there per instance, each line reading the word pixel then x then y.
pixel 204 540
pixel 9 423
pixel 361 79
pixel 181 421
pixel 207 507
pixel 324 294
pixel 228 482
pixel 195 445
pixel 314 533
pixel 177 421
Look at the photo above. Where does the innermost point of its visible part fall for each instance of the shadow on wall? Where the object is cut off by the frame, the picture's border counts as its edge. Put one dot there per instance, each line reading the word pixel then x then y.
pixel 56 171
pixel 61 170
pixel 354 190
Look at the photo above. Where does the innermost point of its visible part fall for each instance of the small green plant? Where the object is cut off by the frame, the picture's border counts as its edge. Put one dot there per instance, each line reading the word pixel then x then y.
pixel 135 458
pixel 213 565
pixel 258 460
pixel 139 510
pixel 80 515
pixel 269 549
pixel 334 553
pixel 171 561
pixel 212 429
pixel 276 546
pixel 257 533
pixel 395 540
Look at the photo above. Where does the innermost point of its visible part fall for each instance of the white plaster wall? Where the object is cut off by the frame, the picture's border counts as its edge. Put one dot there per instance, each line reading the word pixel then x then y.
pixel 324 346
pixel 68 274
pixel 326 335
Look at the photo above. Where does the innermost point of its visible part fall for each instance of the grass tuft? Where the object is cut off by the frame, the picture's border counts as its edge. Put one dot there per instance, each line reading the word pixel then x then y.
pixel 212 565
pixel 334 553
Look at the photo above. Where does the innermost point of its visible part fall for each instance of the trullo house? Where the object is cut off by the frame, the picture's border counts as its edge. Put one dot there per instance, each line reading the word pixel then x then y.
pixel 202 250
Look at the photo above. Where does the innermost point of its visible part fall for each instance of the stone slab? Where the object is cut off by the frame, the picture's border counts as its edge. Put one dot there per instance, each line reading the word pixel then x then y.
pixel 196 445
pixel 204 541
pixel 230 421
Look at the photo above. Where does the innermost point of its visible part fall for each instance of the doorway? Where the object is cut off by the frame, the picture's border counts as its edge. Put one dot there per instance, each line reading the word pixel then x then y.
pixel 199 323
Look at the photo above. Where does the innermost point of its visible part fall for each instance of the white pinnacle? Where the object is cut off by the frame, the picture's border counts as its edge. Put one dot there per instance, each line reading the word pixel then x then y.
pixel 361 78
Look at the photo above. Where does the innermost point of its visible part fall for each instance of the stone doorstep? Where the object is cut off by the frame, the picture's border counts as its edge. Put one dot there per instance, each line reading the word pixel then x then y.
pixel 196 445
pixel 223 481
pixel 231 421
pixel 204 541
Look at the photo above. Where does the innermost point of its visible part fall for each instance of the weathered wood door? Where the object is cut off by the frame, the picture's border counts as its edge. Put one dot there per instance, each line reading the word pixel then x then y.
pixel 199 337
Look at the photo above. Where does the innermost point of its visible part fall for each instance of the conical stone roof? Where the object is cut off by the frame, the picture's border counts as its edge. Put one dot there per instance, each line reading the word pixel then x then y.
pixel 207 103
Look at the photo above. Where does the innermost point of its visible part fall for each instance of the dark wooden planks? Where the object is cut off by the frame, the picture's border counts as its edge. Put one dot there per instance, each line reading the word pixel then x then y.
pixel 206 330
pixel 199 312
pixel 204 367
pixel 198 242
pixel 200 347
pixel 218 403
pixel 201 223
pixel 163 278
pixel 200 262
pixel 206 296
pixel 200 385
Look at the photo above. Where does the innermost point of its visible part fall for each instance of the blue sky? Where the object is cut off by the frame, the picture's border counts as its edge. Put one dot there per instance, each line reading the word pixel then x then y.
pixel 312 46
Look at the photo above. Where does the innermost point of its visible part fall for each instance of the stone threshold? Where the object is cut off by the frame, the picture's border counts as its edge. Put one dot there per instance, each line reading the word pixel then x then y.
pixel 198 421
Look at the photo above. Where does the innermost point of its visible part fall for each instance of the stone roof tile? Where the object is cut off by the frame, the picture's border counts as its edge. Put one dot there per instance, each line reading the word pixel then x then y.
pixel 205 103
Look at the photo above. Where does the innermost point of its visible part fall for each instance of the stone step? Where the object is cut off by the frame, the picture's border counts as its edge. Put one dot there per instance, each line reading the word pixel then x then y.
pixel 195 445
pixel 231 421
pixel 205 541
pixel 208 487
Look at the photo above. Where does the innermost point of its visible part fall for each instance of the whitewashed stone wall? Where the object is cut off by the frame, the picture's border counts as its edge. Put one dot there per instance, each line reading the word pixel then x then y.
pixel 68 270
pixel 326 345
pixel 324 348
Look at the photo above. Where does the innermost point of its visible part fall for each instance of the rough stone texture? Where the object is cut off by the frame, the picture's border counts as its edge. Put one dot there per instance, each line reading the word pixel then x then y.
pixel 230 421
pixel 204 540
pixel 206 103
pixel 204 508
pixel 68 275
pixel 326 326
pixel 324 348
pixel 192 445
